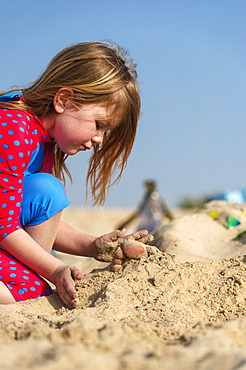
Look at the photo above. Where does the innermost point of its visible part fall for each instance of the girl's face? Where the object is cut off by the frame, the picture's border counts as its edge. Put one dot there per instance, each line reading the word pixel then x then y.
pixel 77 130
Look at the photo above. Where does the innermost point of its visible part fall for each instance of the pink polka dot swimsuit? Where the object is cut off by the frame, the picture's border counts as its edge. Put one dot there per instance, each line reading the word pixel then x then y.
pixel 22 282
pixel 25 148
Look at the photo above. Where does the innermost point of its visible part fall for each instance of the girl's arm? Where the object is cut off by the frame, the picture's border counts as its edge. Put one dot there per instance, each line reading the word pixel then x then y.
pixel 26 250
pixel 102 248
pixel 72 241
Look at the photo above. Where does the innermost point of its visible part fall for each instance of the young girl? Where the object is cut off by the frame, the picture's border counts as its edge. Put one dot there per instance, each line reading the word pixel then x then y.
pixel 86 99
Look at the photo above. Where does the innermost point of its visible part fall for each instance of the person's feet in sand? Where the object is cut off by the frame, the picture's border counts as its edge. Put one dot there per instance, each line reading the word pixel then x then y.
pixel 116 248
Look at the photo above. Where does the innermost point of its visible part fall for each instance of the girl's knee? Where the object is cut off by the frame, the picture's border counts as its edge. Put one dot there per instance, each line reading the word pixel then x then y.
pixel 41 184
pixel 44 196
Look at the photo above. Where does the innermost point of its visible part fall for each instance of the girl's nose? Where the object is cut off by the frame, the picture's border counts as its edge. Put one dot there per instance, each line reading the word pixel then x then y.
pixel 98 138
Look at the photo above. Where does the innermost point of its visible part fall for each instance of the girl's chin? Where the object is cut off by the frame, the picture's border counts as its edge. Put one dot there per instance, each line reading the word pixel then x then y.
pixel 71 151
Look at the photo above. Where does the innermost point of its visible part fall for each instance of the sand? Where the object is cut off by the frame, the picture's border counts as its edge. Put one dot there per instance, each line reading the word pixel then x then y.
pixel 181 307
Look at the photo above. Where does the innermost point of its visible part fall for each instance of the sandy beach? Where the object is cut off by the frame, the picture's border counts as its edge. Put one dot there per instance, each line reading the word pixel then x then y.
pixel 181 307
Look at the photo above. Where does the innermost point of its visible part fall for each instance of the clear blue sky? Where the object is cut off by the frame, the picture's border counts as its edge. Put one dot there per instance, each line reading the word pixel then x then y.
pixel 191 58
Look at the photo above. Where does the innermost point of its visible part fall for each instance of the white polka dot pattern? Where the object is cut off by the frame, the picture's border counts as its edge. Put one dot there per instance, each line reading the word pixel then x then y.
pixel 21 135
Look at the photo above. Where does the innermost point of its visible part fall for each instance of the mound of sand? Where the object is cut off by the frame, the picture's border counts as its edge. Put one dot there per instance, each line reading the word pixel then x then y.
pixel 182 307
pixel 208 234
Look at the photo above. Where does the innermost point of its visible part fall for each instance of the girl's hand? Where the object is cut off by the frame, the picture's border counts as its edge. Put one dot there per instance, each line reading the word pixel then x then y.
pixel 63 278
pixel 106 245
pixel 139 236
pixel 115 247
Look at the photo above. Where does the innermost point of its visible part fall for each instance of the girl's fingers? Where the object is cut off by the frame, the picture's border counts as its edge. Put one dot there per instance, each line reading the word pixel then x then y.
pixel 67 290
pixel 146 239
pixel 114 235
pixel 70 295
pixel 76 273
pixel 67 298
pixel 116 268
pixel 136 236
pixel 117 261
pixel 119 253
pixel 139 234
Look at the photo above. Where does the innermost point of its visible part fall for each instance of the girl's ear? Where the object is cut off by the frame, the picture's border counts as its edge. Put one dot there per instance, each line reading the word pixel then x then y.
pixel 62 96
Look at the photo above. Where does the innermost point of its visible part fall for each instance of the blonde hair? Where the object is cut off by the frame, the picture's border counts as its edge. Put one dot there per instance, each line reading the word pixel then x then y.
pixel 96 72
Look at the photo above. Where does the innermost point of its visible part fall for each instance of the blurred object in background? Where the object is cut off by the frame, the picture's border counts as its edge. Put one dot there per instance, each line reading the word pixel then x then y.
pixel 151 212
pixel 192 202
pixel 232 196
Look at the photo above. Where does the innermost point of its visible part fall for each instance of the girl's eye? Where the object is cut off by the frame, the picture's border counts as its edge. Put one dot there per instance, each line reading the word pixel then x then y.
pixel 99 125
